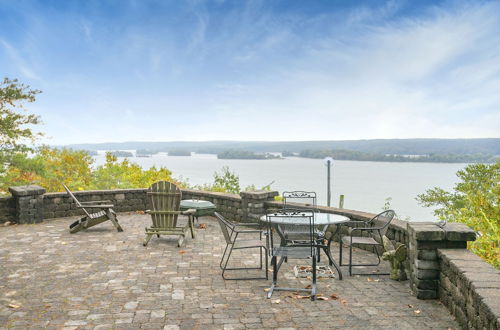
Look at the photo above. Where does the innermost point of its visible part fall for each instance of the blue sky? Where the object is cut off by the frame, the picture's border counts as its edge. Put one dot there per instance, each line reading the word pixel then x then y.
pixel 256 70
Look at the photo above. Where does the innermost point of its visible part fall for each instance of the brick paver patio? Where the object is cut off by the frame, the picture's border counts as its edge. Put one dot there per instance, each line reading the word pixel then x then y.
pixel 102 279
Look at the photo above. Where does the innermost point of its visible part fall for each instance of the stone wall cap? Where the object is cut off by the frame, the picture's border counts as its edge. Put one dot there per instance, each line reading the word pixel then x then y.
pixel 422 231
pixel 259 194
pixel 27 190
pixel 456 231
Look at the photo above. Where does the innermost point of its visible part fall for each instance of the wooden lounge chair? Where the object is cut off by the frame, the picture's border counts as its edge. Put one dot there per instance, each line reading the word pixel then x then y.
pixel 104 213
pixel 165 199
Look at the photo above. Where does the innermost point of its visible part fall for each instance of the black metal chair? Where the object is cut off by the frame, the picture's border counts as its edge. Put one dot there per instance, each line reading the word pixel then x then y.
pixel 305 249
pixel 375 228
pixel 294 200
pixel 231 234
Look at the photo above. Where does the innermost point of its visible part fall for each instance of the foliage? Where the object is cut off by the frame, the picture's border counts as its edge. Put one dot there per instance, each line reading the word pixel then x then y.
pixel 475 202
pixel 14 122
pixel 47 168
pixel 227 181
pixel 114 174
pixel 122 153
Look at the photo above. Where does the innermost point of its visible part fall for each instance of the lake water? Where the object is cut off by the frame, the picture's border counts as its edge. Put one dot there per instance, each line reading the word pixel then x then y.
pixel 365 185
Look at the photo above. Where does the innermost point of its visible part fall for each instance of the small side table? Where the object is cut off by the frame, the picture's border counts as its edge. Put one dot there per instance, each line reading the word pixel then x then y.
pixel 202 207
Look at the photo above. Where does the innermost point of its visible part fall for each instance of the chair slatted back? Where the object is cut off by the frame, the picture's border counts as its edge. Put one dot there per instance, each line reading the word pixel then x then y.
pixel 165 198
pixel 293 200
pixel 383 219
pixel 303 219
pixel 299 197
pixel 225 226
pixel 75 199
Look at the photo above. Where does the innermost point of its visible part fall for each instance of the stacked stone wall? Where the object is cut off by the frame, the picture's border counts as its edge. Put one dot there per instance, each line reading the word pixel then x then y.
pixel 469 288
pixel 7 209
pixel 229 205
pixel 58 205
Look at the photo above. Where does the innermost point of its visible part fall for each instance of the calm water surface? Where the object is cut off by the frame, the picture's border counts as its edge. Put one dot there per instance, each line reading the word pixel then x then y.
pixel 365 185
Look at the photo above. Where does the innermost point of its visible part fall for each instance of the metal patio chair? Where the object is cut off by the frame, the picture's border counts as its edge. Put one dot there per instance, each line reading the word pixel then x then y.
pixel 233 242
pixel 375 228
pixel 305 249
pixel 293 200
pixel 104 213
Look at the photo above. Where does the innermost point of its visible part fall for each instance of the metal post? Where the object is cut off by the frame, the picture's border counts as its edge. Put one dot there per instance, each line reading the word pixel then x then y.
pixel 328 162
pixel 329 194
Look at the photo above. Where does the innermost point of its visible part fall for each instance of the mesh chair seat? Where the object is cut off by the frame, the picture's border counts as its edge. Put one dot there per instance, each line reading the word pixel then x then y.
pixel 294 252
pixel 359 240
pixel 246 244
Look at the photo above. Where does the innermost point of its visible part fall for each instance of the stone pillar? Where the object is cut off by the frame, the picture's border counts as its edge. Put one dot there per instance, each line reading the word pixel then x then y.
pixel 424 240
pixel 29 203
pixel 252 204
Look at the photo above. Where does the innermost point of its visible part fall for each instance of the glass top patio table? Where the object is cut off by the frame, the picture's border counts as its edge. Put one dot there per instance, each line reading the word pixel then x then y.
pixel 320 219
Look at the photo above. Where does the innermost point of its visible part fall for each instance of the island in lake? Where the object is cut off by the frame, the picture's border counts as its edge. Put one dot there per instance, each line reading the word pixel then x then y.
pixel 242 154
pixel 121 153
pixel 179 152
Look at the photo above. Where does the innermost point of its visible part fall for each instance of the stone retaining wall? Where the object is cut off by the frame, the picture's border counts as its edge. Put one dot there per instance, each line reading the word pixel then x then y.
pixel 470 288
pixel 58 205
pixel 7 209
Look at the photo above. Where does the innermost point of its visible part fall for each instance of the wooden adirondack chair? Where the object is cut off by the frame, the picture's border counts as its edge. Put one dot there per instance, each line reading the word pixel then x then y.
pixel 165 199
pixel 104 213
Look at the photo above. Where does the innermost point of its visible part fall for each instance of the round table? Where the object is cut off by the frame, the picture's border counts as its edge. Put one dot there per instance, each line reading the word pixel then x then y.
pixel 320 219
pixel 202 207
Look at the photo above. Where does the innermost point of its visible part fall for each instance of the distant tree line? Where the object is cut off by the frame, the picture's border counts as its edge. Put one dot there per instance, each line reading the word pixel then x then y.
pixel 364 156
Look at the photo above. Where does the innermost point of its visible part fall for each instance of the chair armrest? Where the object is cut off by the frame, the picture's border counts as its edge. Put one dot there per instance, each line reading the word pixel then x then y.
pixel 94 202
pixel 101 206
pixel 247 231
pixel 189 212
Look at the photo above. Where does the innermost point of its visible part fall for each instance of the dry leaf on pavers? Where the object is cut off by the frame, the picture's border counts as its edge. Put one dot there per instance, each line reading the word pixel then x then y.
pixel 140 212
pixel 64 243
pixel 334 296
pixel 377 280
pixel 417 311
pixel 182 251
pixel 266 289
pixel 308 287
pixel 369 279
pixel 202 226
pixel 13 306
pixel 276 301
pixel 410 306
pixel 344 302
pixel 322 298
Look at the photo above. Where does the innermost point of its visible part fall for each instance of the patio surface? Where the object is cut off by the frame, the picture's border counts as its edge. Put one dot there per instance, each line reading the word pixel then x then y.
pixel 102 279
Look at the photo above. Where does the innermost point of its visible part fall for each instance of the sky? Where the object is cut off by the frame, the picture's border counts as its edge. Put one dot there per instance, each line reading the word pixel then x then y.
pixel 143 70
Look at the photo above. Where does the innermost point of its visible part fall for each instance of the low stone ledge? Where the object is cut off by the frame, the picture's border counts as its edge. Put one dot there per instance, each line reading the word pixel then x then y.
pixel 470 288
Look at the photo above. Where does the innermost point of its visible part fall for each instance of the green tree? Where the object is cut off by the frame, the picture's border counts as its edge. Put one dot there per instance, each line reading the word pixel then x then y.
pixel 475 202
pixel 114 174
pixel 15 122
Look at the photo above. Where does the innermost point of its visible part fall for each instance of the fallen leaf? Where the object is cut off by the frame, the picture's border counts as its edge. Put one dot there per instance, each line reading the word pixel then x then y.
pixel 140 212
pixel 344 302
pixel 13 306
pixel 334 296
pixel 64 243
pixel 417 311
pixel 202 226
pixel 410 306
pixel 377 280
pixel 369 279
pixel 322 298
pixel 308 287
pixel 266 289
pixel 277 301
pixel 182 251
